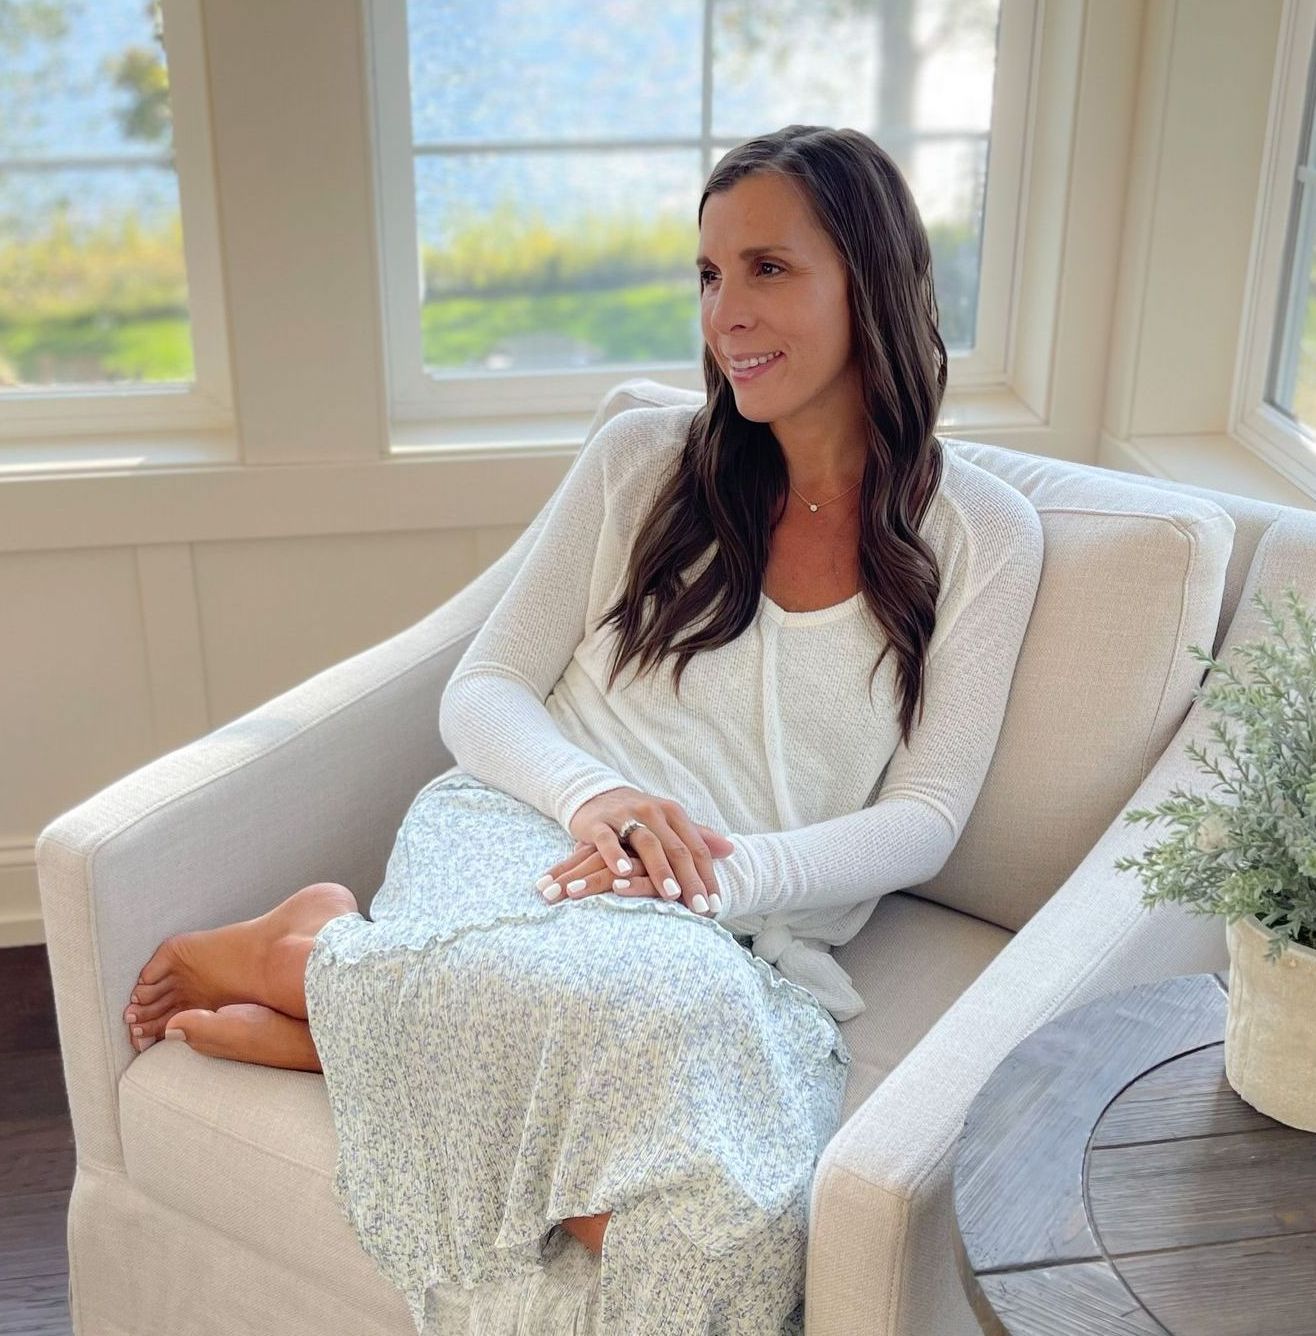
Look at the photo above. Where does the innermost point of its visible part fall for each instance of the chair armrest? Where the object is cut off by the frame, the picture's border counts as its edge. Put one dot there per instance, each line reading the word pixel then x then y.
pixel 880 1250
pixel 311 786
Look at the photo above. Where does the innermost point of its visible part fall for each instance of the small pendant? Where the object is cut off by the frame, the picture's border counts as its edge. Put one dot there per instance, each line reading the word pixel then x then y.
pixel 812 506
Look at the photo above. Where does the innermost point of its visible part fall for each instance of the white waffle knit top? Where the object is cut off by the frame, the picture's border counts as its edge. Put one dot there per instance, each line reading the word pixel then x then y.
pixel 774 741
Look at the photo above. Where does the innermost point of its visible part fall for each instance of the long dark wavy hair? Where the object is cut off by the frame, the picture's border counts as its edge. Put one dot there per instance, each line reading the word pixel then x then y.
pixel 730 487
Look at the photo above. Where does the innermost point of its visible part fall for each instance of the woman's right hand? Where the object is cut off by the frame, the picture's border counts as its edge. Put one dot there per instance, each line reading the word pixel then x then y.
pixel 675 853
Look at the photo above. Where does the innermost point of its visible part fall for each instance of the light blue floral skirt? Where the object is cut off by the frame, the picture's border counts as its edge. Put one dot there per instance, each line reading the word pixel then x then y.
pixel 495 1063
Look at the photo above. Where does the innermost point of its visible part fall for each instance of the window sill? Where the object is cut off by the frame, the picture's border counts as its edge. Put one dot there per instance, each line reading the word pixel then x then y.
pixel 135 452
pixel 412 439
pixel 1216 460
pixel 964 412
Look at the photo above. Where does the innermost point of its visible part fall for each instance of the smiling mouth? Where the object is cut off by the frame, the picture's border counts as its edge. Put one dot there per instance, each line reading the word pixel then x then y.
pixel 754 372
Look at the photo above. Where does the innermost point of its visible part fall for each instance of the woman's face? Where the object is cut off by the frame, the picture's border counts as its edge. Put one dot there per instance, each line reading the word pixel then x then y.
pixel 791 299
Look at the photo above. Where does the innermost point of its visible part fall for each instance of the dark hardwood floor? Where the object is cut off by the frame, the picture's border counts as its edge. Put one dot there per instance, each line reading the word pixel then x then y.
pixel 36 1152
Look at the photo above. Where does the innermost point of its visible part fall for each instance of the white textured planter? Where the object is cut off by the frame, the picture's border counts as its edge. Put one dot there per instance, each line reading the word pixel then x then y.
pixel 1270 1035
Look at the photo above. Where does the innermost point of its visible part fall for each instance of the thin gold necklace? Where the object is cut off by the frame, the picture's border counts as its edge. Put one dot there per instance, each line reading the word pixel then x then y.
pixel 811 504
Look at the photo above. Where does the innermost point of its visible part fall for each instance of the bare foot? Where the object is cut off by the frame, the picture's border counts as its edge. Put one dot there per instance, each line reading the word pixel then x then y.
pixel 588 1229
pixel 246 1032
pixel 252 961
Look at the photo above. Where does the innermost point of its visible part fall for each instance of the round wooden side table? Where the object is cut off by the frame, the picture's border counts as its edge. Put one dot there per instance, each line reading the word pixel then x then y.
pixel 1109 1181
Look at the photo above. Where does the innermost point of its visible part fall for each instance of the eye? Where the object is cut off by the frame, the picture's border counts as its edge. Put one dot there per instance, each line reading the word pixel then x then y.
pixel 707 275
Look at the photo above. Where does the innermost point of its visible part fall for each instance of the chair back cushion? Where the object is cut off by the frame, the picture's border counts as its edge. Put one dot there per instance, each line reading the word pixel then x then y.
pixel 1132 576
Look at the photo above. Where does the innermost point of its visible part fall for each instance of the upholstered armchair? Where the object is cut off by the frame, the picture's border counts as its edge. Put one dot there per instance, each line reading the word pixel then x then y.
pixel 202 1199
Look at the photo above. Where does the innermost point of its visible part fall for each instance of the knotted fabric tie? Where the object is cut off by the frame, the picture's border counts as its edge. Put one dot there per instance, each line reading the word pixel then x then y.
pixel 807 962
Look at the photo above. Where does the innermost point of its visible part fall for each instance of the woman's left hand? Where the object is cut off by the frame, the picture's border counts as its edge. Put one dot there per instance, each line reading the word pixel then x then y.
pixel 588 867
pixel 585 863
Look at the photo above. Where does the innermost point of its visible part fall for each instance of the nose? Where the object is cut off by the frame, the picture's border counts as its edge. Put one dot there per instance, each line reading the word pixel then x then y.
pixel 728 307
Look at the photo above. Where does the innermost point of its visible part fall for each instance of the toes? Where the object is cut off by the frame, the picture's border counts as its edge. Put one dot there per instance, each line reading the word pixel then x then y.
pixel 149 992
pixel 137 1014
pixel 159 964
pixel 219 1034
pixel 144 1033
pixel 198 1027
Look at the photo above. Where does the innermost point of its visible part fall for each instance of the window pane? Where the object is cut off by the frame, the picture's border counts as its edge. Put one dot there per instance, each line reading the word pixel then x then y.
pixel 557 259
pixel 775 63
pixel 575 256
pixel 92 281
pixel 949 181
pixel 520 69
pixel 1292 381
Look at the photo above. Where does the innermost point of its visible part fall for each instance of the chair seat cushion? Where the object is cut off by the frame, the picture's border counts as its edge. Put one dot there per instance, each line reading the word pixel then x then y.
pixel 250 1151
pixel 909 963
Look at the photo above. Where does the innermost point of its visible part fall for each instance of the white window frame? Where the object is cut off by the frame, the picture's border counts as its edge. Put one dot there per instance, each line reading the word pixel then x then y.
pixel 417 398
pixel 1289 447
pixel 206 401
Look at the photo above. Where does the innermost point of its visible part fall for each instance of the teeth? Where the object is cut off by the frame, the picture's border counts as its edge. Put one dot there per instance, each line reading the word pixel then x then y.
pixel 753 361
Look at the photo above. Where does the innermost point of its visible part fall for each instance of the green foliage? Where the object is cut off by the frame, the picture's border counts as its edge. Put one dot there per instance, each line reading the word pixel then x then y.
pixel 1254 853
pixel 508 272
pixel 509 250
pixel 108 302
pixel 630 324
pixel 625 289
pixel 141 73
pixel 117 268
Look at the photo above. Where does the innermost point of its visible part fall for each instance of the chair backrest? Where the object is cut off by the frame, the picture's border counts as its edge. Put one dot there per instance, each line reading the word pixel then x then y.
pixel 1135 571
pixel 1132 576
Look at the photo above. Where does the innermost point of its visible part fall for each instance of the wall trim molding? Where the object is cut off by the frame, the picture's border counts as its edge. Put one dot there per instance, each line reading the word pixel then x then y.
pixel 21 923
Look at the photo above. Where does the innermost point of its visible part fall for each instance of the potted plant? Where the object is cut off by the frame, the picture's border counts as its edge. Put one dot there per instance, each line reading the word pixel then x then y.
pixel 1253 859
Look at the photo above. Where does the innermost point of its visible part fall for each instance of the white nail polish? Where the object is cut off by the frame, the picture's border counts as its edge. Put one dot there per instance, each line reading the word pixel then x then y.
pixel 552 892
pixel 578 885
pixel 671 887
pixel 699 905
pixel 543 882
pixel 620 883
pixel 715 903
pixel 623 865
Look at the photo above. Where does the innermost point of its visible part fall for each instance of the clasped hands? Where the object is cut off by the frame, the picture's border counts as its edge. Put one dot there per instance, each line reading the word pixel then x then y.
pixel 673 856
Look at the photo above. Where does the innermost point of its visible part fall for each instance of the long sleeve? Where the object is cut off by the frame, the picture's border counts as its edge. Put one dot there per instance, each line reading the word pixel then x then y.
pixel 930 786
pixel 492 715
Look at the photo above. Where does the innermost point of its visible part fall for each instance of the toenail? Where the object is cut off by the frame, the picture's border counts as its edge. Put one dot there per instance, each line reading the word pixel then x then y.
pixel 137 1030
pixel 175 1033
pixel 136 998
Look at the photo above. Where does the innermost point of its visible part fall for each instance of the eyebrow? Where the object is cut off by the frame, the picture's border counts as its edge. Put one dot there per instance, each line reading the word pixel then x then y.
pixel 748 253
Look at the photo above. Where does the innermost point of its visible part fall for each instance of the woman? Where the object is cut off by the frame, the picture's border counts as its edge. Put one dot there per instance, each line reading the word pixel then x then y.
pixel 636 1035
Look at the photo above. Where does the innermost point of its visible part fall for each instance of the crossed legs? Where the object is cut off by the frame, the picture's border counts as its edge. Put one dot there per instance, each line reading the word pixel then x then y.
pixel 238 992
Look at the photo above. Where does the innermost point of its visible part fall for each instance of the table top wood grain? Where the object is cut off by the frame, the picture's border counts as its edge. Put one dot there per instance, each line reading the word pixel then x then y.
pixel 1110 1181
